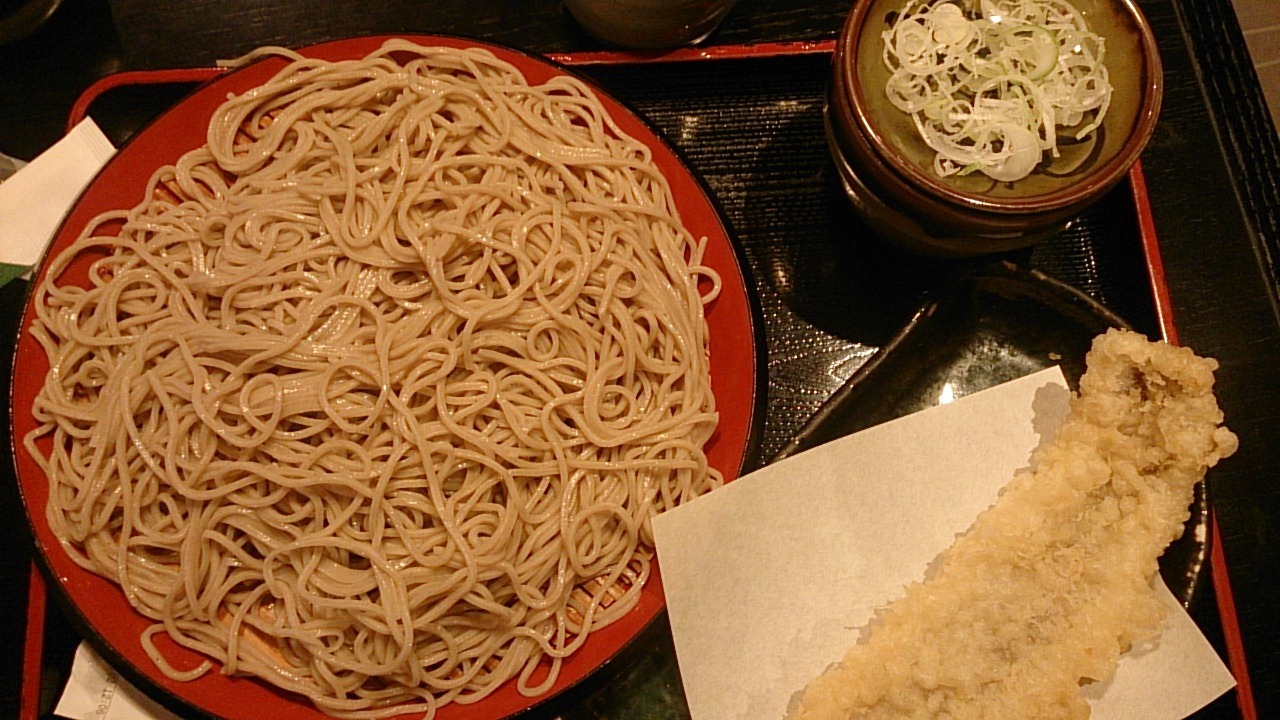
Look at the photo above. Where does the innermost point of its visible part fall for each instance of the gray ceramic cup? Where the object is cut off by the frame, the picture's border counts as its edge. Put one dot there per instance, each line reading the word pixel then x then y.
pixel 649 24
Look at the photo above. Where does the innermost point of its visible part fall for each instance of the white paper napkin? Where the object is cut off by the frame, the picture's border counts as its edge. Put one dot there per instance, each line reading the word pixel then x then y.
pixel 95 691
pixel 36 198
pixel 769 579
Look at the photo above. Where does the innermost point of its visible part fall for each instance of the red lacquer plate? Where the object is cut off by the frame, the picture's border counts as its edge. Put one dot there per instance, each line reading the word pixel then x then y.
pixel 737 372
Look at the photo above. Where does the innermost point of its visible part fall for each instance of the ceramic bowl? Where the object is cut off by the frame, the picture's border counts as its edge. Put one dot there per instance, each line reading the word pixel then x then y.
pixel 887 168
pixel 649 24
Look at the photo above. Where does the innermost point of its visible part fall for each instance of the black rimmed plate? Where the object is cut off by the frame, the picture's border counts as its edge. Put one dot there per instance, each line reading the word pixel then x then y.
pixel 990 326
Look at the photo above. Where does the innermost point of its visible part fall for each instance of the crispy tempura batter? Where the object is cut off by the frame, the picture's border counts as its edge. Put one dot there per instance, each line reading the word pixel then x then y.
pixel 1050 584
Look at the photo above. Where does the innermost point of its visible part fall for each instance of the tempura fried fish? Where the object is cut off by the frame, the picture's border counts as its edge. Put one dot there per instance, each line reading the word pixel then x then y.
pixel 1052 583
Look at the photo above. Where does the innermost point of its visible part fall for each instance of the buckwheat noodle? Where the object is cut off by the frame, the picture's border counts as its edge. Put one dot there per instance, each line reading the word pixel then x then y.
pixel 374 396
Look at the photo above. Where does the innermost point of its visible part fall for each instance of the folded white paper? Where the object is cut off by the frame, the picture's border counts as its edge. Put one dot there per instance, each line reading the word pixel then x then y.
pixel 36 198
pixel 770 579
pixel 95 691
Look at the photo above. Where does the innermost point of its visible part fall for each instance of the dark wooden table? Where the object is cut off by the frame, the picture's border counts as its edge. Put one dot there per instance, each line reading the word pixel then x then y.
pixel 1213 181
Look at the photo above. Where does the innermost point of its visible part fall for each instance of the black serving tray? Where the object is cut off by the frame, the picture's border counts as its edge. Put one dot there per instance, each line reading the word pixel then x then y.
pixel 750 121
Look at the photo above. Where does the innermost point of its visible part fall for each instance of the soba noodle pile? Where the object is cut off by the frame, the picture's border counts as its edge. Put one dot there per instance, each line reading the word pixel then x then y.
pixel 374 396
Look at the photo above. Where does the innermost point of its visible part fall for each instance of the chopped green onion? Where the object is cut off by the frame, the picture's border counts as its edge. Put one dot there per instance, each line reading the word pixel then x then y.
pixel 989 82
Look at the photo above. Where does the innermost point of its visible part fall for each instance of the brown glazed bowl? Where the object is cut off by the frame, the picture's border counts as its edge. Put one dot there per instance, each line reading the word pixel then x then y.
pixel 887 169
